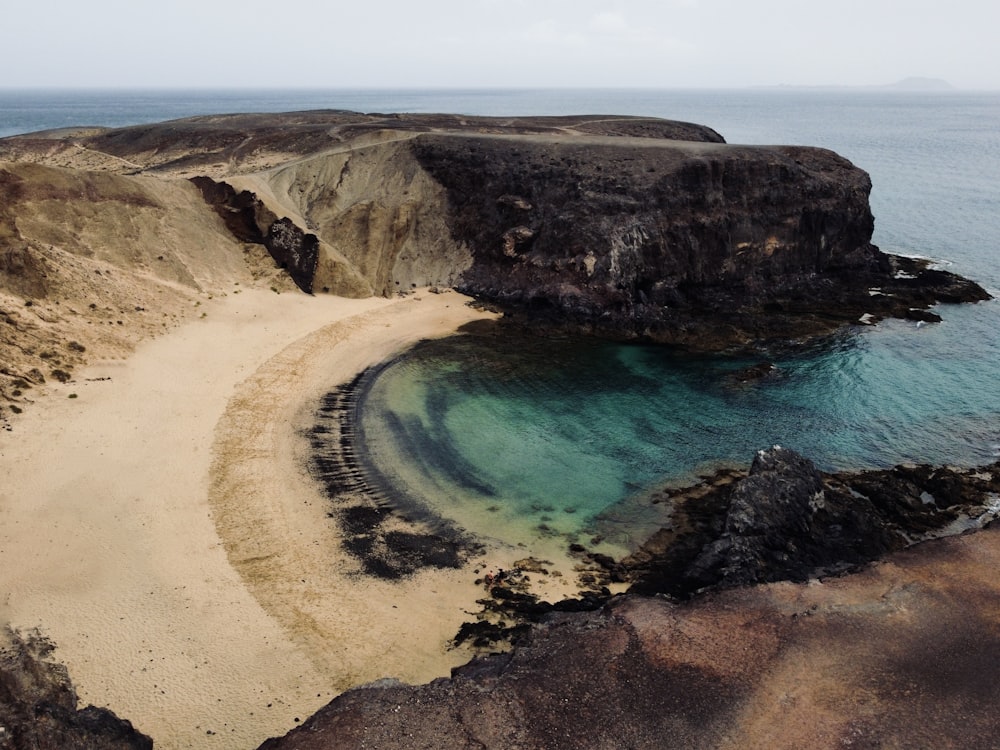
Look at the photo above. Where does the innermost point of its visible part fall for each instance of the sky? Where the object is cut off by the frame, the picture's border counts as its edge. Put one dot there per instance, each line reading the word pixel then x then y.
pixel 497 43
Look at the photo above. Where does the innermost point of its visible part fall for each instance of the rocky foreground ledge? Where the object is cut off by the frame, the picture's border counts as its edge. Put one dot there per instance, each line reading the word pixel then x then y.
pixel 39 707
pixel 902 653
pixel 826 665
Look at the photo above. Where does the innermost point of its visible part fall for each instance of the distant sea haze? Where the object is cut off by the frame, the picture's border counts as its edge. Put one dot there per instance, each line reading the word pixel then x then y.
pixel 912 84
pixel 560 449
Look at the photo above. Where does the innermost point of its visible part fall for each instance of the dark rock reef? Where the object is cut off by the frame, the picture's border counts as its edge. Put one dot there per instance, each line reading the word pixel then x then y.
pixel 782 520
pixel 365 515
pixel 38 706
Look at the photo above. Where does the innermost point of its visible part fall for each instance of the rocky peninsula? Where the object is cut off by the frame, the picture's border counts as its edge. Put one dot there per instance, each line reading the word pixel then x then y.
pixel 158 502
pixel 634 228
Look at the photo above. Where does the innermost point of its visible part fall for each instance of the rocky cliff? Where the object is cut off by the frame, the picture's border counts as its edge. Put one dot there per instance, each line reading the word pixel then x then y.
pixel 625 227
pixel 38 705
pixel 694 243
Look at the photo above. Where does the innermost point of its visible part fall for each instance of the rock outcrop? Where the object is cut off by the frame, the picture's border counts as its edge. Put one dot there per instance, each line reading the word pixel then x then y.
pixel 700 244
pixel 249 220
pixel 781 520
pixel 767 665
pixel 38 706
pixel 786 520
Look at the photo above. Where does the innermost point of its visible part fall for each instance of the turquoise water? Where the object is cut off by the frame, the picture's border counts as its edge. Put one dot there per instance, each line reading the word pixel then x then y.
pixel 524 440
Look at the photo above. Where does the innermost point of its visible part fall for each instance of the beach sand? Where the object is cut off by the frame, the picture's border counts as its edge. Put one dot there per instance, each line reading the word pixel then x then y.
pixel 157 524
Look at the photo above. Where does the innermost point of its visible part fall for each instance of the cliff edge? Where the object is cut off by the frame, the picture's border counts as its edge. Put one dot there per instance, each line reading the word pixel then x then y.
pixel 633 228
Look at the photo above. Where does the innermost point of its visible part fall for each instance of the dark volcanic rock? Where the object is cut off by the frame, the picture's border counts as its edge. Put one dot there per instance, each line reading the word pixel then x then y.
pixel 592 666
pixel 702 244
pixel 250 221
pixel 788 521
pixel 38 706
pixel 366 519
pixel 295 250
pixel 778 525
pixel 242 213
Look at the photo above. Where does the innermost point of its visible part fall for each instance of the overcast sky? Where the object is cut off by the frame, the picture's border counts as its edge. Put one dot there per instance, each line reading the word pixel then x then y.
pixel 498 43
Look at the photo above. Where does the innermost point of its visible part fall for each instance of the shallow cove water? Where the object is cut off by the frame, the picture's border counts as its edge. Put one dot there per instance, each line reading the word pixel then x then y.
pixel 528 439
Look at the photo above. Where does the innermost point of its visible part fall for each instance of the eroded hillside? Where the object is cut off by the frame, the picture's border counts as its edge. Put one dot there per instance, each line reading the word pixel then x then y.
pixel 622 226
pixel 92 262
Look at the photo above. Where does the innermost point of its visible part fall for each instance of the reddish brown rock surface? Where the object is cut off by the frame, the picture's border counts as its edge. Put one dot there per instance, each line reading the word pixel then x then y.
pixel 902 655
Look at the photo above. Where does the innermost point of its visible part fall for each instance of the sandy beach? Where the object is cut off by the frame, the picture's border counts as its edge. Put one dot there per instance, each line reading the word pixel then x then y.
pixel 157 524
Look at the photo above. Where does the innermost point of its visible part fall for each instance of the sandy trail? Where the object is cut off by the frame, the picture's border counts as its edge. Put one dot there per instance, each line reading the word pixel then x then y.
pixel 109 542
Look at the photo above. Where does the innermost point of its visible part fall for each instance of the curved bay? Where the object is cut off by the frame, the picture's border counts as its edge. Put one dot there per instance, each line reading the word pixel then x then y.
pixel 524 438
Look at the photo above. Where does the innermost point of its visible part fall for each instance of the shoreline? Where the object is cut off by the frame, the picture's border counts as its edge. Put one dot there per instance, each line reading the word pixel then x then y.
pixel 289 551
pixel 389 535
pixel 215 599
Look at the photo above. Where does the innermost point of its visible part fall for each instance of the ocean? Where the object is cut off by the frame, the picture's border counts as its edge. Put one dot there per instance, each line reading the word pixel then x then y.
pixel 563 439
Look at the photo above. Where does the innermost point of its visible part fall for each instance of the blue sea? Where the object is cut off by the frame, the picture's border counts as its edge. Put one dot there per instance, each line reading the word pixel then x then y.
pixel 526 441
